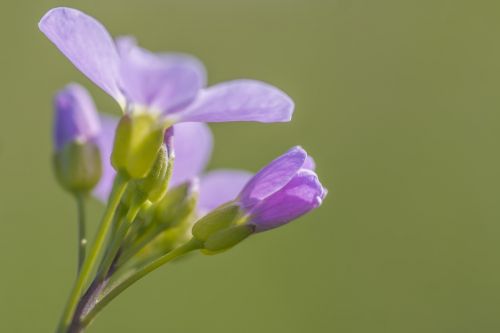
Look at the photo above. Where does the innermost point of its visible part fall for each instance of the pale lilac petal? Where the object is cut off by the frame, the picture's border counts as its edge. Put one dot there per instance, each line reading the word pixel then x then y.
pixel 240 100
pixel 75 116
pixel 220 186
pixel 162 82
pixel 87 44
pixel 273 177
pixel 309 163
pixel 105 143
pixel 192 148
pixel 301 195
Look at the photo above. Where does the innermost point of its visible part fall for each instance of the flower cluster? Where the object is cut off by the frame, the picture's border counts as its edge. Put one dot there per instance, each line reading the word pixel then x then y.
pixel 147 166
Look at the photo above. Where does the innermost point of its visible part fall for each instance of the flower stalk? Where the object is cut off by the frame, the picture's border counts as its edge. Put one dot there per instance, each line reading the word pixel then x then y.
pixel 82 238
pixel 90 262
pixel 117 288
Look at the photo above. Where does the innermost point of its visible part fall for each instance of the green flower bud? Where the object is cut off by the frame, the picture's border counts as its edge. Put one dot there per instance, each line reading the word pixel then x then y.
pixel 155 184
pixel 137 142
pixel 162 244
pixel 78 166
pixel 227 238
pixel 177 205
pixel 218 219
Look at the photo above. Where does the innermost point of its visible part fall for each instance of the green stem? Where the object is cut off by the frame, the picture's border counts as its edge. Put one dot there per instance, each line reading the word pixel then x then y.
pixel 82 240
pixel 126 282
pixel 88 267
pixel 117 241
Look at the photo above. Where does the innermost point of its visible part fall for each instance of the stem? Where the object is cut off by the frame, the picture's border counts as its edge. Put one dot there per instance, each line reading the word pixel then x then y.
pixel 82 240
pixel 116 242
pixel 120 286
pixel 88 267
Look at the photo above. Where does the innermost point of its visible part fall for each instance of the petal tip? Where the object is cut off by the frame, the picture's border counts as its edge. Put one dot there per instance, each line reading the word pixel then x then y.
pixel 42 24
pixel 298 150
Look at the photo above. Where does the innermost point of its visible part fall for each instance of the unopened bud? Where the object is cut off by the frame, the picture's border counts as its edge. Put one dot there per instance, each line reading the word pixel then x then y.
pixel 177 205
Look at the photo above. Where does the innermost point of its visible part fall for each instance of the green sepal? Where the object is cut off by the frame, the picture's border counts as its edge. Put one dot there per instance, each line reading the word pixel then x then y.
pixel 155 184
pixel 227 238
pixel 177 205
pixel 137 142
pixel 121 146
pixel 78 166
pixel 216 220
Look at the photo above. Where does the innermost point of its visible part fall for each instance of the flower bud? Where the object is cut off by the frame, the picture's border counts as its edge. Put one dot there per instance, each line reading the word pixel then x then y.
pixel 77 160
pixel 78 166
pixel 177 205
pixel 282 191
pixel 137 142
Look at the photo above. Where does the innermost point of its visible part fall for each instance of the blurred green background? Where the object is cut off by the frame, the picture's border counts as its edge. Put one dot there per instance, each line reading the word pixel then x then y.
pixel 398 101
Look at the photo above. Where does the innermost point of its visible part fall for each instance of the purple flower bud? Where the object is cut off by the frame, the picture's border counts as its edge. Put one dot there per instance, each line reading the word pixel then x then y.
pixel 75 117
pixel 282 191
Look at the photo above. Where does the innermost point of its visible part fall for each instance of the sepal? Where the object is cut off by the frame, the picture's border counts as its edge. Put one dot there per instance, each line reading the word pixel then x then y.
pixel 78 166
pixel 227 238
pixel 154 186
pixel 218 219
pixel 137 142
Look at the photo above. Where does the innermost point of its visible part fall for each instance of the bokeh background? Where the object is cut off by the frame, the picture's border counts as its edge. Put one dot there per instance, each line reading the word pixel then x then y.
pixel 398 101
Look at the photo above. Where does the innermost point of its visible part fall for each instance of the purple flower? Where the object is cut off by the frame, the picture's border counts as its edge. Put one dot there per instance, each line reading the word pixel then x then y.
pixel 75 117
pixel 170 85
pixel 282 191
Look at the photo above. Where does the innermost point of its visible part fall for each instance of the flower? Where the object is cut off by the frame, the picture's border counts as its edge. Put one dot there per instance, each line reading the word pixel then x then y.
pixel 282 191
pixel 169 85
pixel 75 117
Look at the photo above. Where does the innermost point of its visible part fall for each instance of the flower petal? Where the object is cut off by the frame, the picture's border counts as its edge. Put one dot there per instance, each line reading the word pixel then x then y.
pixel 87 44
pixel 162 82
pixel 105 143
pixel 192 148
pixel 240 100
pixel 273 177
pixel 220 186
pixel 75 116
pixel 301 195
pixel 309 163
